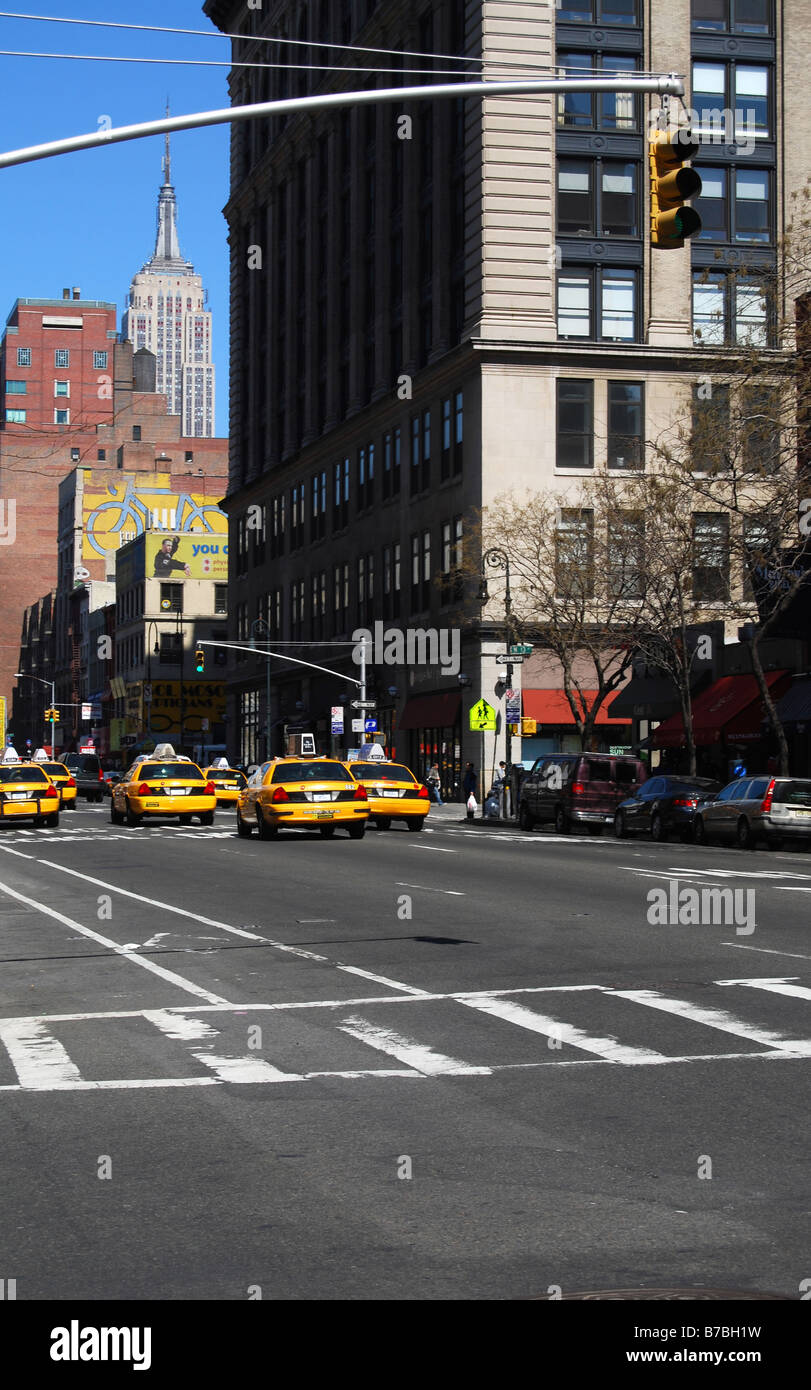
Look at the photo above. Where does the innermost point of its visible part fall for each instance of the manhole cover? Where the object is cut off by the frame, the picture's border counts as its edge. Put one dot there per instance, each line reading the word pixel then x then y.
pixel 677 1295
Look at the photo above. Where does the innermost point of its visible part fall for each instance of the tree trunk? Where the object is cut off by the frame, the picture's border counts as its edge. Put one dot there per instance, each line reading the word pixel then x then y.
pixel 770 708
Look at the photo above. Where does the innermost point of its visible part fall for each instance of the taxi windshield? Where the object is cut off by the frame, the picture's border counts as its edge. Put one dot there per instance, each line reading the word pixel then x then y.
pixel 382 772
pixel 22 774
pixel 153 772
pixel 229 774
pixel 310 772
pixel 55 769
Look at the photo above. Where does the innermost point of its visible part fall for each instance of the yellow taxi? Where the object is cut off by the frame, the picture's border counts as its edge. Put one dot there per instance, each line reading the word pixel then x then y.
pixel 393 791
pixel 26 792
pixel 63 779
pixel 302 794
pixel 163 783
pixel 228 782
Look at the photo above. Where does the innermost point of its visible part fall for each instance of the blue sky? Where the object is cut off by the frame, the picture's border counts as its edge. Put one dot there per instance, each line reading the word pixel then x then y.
pixel 88 219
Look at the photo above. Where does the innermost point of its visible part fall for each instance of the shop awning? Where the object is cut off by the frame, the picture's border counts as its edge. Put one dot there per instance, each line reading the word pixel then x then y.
pixel 728 708
pixel 431 711
pixel 552 707
pixel 645 697
pixel 795 706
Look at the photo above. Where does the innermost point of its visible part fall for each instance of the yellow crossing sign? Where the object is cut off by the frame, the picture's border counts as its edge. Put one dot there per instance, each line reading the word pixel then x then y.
pixel 483 717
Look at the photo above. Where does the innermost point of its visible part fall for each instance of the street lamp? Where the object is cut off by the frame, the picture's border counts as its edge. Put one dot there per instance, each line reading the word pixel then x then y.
pixel 261 625
pixel 152 623
pixel 499 560
pixel 23 675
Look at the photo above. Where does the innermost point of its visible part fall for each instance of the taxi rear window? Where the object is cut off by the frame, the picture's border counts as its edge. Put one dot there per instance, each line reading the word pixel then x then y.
pixel 22 774
pixel 55 769
pixel 382 772
pixel 227 776
pixel 153 772
pixel 310 772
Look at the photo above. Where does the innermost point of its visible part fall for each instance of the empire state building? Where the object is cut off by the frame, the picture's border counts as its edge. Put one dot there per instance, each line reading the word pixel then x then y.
pixel 166 313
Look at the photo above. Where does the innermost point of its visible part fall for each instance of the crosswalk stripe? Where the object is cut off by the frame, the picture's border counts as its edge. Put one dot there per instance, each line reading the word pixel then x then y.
pixel 715 1018
pixel 241 1069
pixel 40 1061
pixel 773 987
pixel 417 1055
pixel 518 1014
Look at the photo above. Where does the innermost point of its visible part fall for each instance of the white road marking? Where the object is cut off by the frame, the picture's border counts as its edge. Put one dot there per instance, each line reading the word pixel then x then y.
pixel 773 987
pixel 417 1055
pixel 766 951
pixel 383 980
pixel 716 1018
pixel 143 961
pixel 425 889
pixel 792 888
pixel 40 1061
pixel 608 1048
pixel 434 849
pixel 243 1070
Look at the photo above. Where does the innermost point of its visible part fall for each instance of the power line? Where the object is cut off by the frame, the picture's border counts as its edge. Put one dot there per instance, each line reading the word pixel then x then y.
pixel 217 63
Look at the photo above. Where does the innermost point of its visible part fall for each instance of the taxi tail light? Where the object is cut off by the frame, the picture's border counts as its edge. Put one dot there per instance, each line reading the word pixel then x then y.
pixel 360 794
pixel 71 782
pixel 208 789
pixel 766 803
pixel 52 791
pixel 422 794
pixel 280 795
pixel 143 790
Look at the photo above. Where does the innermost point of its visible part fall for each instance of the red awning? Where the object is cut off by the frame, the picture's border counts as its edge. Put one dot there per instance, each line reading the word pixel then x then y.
pixel 552 707
pixel 431 711
pixel 747 727
pixel 730 704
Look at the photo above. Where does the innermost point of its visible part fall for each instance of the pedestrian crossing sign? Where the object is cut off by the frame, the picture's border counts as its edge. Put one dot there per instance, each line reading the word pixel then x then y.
pixel 482 717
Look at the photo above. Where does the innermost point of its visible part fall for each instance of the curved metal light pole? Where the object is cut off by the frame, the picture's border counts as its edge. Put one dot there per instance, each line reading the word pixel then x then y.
pixel 498 559
pixel 261 624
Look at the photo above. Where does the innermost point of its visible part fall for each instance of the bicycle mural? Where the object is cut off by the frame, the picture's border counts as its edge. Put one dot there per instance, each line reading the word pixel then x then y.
pixel 131 507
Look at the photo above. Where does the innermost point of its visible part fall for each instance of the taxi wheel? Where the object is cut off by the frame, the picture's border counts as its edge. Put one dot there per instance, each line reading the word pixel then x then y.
pixel 244 831
pixel 115 816
pixel 266 832
pixel 51 822
pixel 206 817
pixel 185 820
pixel 357 832
pixel 383 822
pixel 415 822
pixel 133 819
pixel 326 831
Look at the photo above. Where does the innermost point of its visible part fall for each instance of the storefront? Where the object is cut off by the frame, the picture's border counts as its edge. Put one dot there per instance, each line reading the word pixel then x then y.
pixel 557 731
pixel 430 731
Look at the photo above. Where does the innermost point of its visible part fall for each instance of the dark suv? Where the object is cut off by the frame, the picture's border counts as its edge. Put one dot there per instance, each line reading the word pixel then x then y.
pixel 578 789
pixel 87 771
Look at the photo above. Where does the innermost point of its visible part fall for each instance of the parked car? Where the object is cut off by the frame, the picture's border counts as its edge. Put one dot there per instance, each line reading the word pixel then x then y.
pixel 113 772
pixel 762 807
pixel 578 789
pixel 87 770
pixel 663 806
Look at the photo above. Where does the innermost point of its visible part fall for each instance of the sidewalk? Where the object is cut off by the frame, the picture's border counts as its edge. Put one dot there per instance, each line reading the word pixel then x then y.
pixel 455 813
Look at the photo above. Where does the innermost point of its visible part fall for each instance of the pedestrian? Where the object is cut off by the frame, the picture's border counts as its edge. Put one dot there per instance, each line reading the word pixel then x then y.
pixel 434 783
pixel 470 785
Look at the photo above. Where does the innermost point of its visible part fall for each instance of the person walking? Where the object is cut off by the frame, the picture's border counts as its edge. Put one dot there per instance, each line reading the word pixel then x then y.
pixel 434 782
pixel 470 785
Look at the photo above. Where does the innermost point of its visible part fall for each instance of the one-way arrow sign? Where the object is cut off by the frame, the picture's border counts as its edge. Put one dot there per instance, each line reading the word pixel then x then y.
pixel 364 704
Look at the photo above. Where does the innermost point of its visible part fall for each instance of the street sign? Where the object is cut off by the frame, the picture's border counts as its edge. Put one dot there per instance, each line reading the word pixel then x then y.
pixel 483 717
pixel 522 649
pixel 357 726
pixel 85 711
pixel 364 704
pixel 370 726
pixel 507 659
pixel 336 719
pixel 512 710
pixel 127 740
pixel 147 694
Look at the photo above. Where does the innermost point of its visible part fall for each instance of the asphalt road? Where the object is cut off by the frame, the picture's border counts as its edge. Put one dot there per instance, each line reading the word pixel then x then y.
pixel 460 1064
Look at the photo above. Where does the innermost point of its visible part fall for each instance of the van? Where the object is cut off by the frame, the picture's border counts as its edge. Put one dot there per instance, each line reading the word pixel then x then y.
pixel 87 770
pixel 578 789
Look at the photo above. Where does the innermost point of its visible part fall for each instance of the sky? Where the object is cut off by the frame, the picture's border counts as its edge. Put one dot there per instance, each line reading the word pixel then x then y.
pixel 89 219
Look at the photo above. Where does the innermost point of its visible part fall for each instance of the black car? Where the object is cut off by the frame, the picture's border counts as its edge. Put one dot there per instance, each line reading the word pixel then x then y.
pixel 664 806
pixel 87 770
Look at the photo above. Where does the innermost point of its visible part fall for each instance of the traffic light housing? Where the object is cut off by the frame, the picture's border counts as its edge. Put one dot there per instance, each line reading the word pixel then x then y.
pixel 199 661
pixel 529 726
pixel 52 714
pixel 671 222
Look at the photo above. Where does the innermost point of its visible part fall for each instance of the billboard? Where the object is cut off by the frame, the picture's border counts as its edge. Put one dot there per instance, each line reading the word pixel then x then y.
pixel 114 513
pixel 201 700
pixel 194 556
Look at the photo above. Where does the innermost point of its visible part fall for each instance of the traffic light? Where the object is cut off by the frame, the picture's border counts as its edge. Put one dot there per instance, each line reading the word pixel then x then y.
pixel 670 184
pixel 199 661
pixel 528 726
pixel 52 714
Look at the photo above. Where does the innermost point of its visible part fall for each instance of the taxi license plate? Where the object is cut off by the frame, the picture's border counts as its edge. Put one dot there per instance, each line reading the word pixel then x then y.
pixel 322 796
pixel 323 815
pixel 19 796
pixel 178 791
pixel 388 793
pixel 228 786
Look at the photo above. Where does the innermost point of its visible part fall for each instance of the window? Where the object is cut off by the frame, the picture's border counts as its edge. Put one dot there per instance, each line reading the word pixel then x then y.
pixel 730 309
pixel 598 12
pixel 617 111
pixel 720 88
pixel 597 198
pixel 340 501
pixel 61 388
pixel 16 388
pixel 759 426
pixel 391 581
pixel 23 357
pixel 61 417
pixel 574 552
pixel 296 516
pixel 278 514
pixel 420 452
pixel 101 455
pixel 100 361
pixel 626 557
pixel 710 556
pixel 366 476
pixel 759 556
pixel 626 447
pixel 732 16
pixel 575 435
pixel 62 357
pixel 136 433
pixel 172 598
pixel 15 417
pixel 597 304
pixel 318 515
pixel 710 435
pixel 746 216
pixel 391 462
pixel 75 455
pixel 171 647
pixel 220 598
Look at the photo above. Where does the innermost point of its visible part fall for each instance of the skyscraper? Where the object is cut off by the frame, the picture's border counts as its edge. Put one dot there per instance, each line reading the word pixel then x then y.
pixel 167 314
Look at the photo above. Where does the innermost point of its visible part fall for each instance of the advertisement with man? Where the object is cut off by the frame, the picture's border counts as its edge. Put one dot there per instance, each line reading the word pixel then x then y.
pixel 195 556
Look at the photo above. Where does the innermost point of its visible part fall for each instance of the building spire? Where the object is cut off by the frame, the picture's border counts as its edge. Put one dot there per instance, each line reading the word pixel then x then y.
pixel 167 246
pixel 167 158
